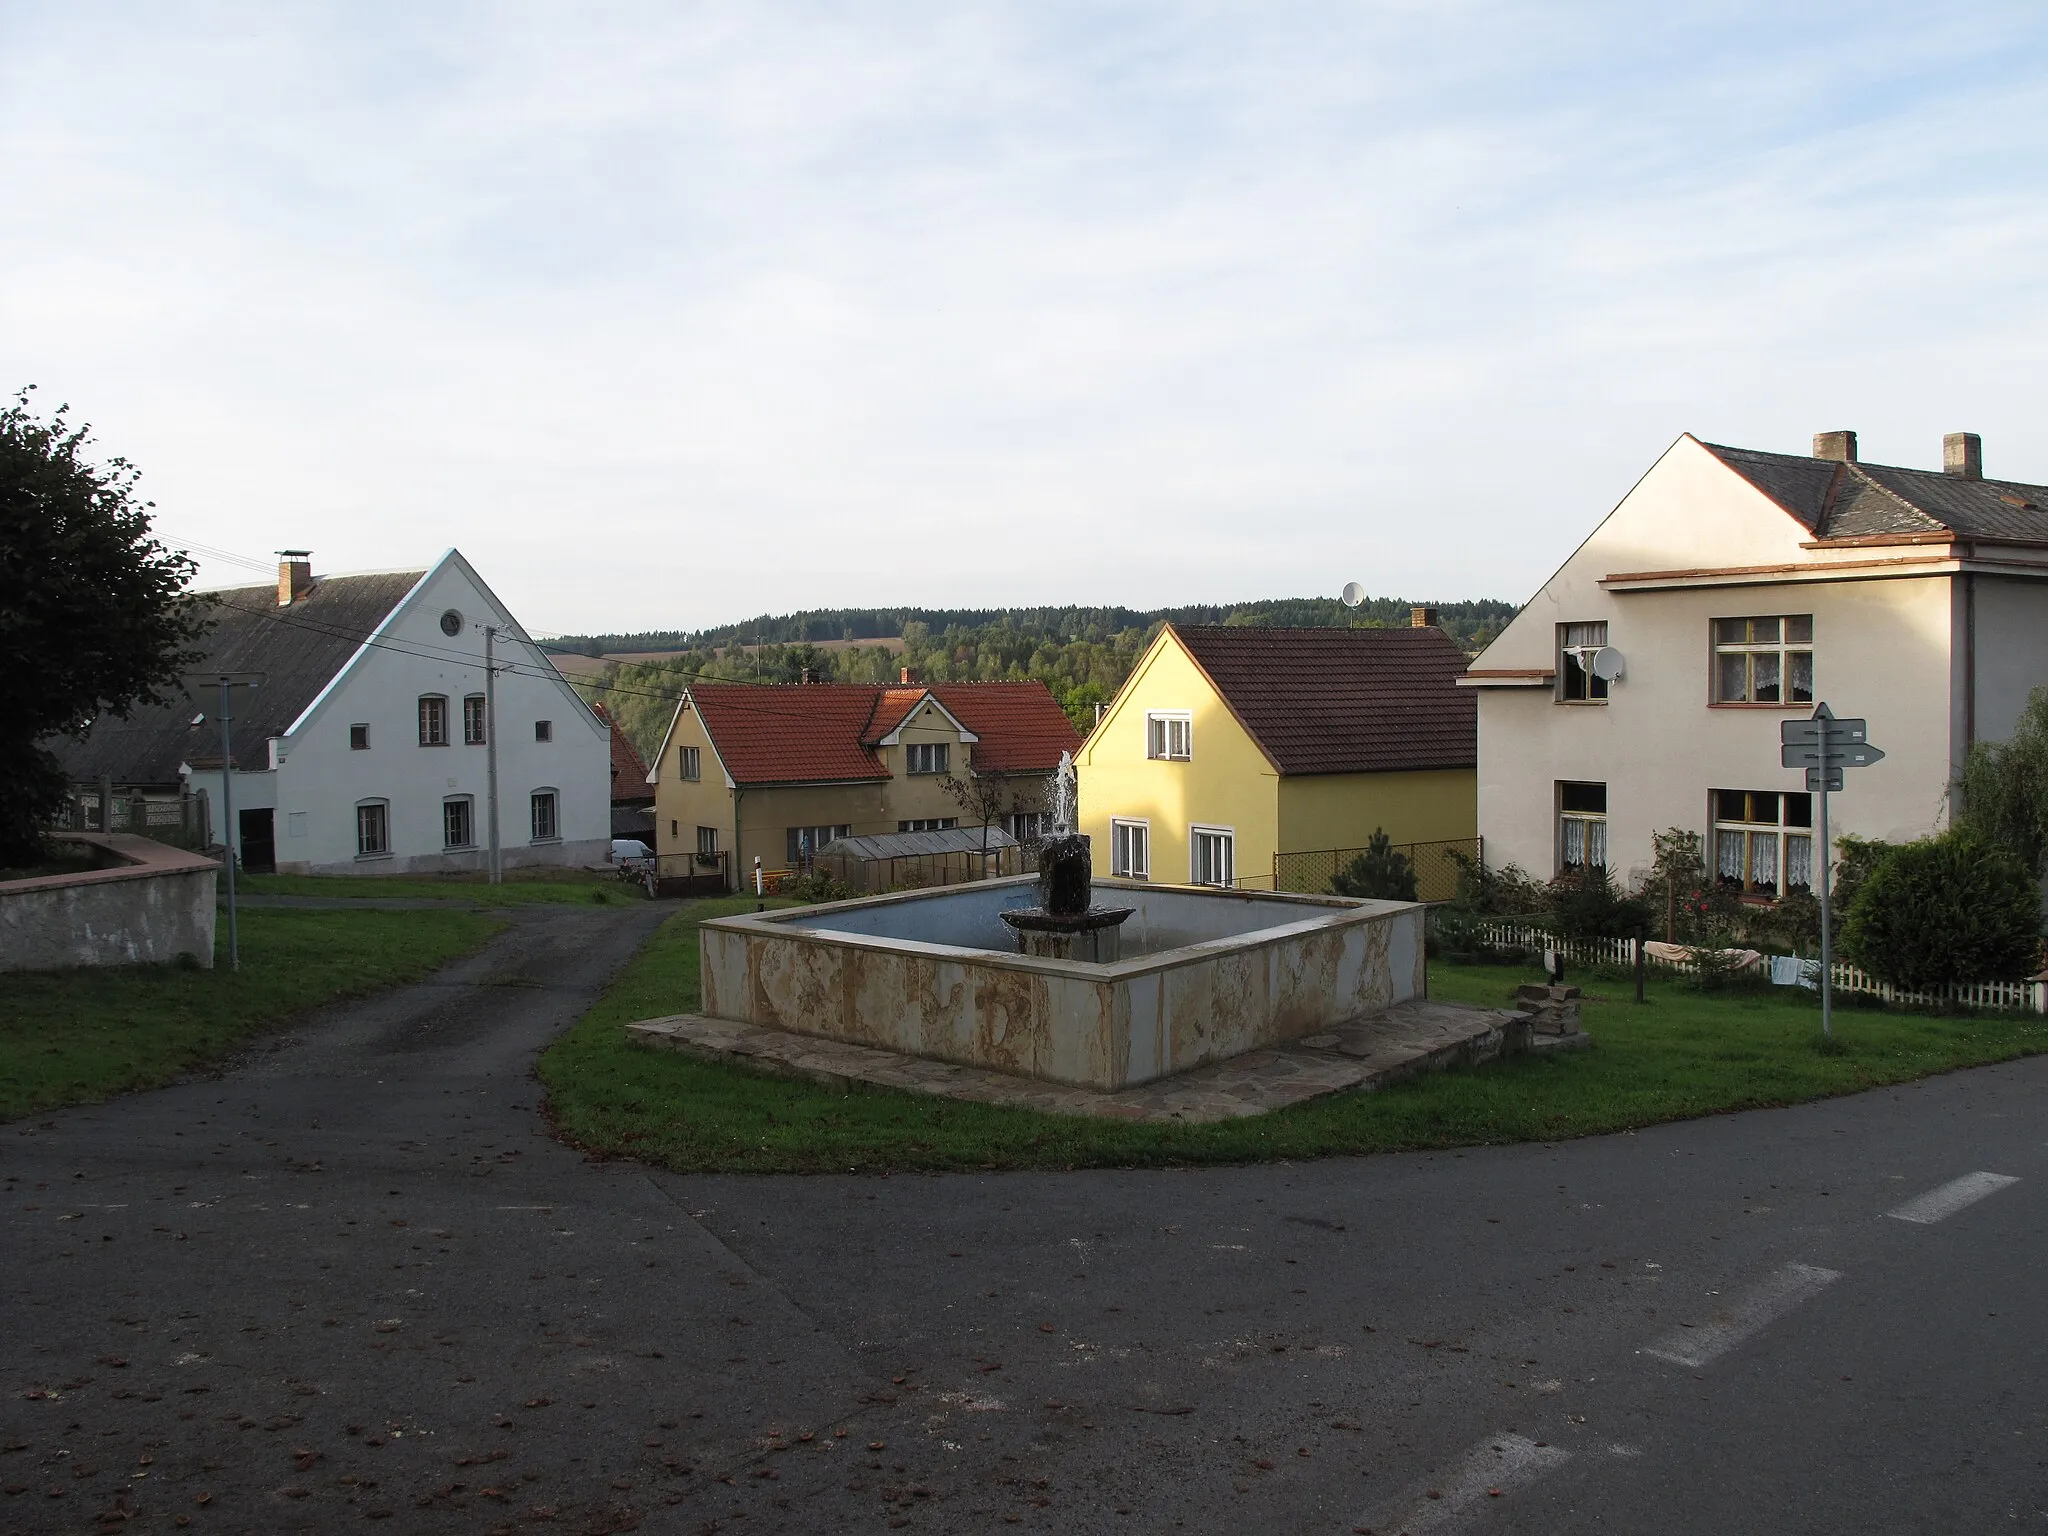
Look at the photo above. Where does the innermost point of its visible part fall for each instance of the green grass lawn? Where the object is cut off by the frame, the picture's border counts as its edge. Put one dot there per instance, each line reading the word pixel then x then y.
pixel 1676 1056
pixel 584 887
pixel 74 1037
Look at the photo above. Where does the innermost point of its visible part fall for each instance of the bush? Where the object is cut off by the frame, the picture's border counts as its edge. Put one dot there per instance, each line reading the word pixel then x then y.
pixel 1945 909
pixel 1379 873
pixel 1509 891
pixel 815 887
pixel 1584 903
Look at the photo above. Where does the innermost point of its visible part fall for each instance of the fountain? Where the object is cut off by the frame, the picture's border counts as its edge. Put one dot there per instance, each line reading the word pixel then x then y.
pixel 1066 925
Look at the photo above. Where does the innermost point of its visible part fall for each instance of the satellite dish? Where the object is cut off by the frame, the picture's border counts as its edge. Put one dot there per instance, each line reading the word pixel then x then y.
pixel 1606 664
pixel 1354 594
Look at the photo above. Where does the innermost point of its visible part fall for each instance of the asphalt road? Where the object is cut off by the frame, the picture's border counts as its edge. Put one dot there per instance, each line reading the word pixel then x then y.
pixel 353 1284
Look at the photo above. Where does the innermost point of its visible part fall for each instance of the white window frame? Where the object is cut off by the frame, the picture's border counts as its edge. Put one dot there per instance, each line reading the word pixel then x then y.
pixel 932 754
pixel 707 839
pixel 928 824
pixel 1589 827
pixel 689 764
pixel 382 808
pixel 1128 835
pixel 448 803
pixel 1027 826
pixel 1780 649
pixel 554 799
pixel 1575 642
pixel 475 727
pixel 1227 837
pixel 799 841
pixel 433 719
pixel 1752 837
pixel 1167 730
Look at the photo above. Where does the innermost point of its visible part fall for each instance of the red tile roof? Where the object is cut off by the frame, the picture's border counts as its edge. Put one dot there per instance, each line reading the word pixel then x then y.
pixel 629 771
pixel 1343 700
pixel 807 733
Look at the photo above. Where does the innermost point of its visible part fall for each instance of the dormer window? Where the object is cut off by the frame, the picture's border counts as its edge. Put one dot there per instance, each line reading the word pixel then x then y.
pixel 925 757
pixel 1576 647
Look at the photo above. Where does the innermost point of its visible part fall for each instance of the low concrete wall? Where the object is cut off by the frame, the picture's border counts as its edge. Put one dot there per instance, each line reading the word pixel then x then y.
pixel 1283 967
pixel 149 903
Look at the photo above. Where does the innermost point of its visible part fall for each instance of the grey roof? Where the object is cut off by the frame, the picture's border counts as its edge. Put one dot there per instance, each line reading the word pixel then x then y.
pixel 907 845
pixel 298 649
pixel 1835 500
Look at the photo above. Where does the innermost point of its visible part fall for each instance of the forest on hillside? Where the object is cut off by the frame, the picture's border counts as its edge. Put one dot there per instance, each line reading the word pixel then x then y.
pixel 1082 654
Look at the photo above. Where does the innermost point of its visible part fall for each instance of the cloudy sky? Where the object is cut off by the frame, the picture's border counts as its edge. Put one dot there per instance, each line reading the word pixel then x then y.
pixel 671 314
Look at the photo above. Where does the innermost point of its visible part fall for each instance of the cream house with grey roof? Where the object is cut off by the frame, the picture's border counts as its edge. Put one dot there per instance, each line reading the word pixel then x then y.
pixel 1732 589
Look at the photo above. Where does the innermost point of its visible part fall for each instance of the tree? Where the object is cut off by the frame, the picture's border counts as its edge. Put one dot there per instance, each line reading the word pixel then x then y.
pixel 1379 873
pixel 1945 909
pixel 2005 788
pixel 95 615
pixel 985 796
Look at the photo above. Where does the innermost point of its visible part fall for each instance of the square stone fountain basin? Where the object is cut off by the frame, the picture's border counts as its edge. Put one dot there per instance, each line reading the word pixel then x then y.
pixel 1204 975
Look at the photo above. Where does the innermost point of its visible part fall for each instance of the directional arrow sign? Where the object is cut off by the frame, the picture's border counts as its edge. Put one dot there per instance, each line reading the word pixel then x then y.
pixel 1792 732
pixel 1838 755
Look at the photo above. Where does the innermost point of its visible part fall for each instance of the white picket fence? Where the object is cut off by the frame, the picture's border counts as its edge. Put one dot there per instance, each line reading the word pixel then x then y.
pixel 2027 996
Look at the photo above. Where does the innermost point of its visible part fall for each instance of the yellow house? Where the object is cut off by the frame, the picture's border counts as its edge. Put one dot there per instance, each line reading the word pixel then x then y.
pixel 1268 757
pixel 777 772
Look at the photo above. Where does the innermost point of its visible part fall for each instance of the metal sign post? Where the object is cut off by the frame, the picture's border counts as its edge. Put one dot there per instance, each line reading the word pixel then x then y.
pixel 1824 746
pixel 227 683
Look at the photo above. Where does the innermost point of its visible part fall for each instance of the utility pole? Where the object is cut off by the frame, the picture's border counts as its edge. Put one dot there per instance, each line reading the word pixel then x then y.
pixel 227 682
pixel 491 742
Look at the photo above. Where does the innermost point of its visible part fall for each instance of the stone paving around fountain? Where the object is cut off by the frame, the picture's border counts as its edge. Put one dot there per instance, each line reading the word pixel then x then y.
pixel 1410 1037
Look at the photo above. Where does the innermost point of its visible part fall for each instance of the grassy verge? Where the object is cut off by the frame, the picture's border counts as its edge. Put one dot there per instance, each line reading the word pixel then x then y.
pixel 583 887
pixel 75 1037
pixel 1674 1057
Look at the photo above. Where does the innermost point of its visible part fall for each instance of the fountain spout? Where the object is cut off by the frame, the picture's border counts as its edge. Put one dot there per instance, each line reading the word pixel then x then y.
pixel 1066 925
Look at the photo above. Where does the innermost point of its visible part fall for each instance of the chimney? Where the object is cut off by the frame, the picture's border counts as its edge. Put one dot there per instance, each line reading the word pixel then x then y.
pixel 908 677
pixel 1422 618
pixel 1835 445
pixel 294 575
pixel 1962 455
pixel 807 676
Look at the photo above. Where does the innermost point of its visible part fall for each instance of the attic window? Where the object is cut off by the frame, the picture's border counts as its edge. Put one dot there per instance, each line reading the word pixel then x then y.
pixel 451 623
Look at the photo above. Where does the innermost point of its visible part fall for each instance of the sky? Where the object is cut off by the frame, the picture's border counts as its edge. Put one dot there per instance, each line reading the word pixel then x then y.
pixel 668 315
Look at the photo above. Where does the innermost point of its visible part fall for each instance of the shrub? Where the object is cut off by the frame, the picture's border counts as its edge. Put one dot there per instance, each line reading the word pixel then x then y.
pixel 1945 909
pixel 1509 891
pixel 816 887
pixel 2005 788
pixel 1584 903
pixel 1379 873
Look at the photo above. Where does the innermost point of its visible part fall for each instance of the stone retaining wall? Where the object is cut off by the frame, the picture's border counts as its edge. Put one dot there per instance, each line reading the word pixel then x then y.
pixel 149 903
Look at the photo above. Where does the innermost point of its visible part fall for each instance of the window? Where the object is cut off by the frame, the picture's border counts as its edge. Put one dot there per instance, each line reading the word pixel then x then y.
pixel 547 825
pixel 1027 826
pixel 928 824
pixel 473 720
pixel 458 822
pixel 1764 661
pixel 543 730
pixel 1130 849
pixel 1212 856
pixel 802 842
pixel 926 756
pixel 1581 825
pixel 687 763
pixel 1169 737
pixel 1576 644
pixel 1763 840
pixel 373 829
pixel 359 738
pixel 433 720
pixel 707 840
pixel 451 623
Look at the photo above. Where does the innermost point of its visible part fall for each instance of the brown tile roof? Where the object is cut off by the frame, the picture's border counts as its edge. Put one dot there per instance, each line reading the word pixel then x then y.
pixel 806 733
pixel 1837 500
pixel 629 770
pixel 1343 700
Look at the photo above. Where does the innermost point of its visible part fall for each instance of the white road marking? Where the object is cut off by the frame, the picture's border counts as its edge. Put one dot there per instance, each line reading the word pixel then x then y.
pixel 1452 1495
pixel 1756 1309
pixel 1951 1197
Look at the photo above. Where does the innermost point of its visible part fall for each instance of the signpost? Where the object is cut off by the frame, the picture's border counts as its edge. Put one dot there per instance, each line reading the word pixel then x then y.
pixel 227 683
pixel 1824 746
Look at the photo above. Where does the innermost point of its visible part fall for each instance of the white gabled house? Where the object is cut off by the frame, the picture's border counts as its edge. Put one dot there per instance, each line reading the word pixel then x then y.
pixel 366 747
pixel 1733 589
